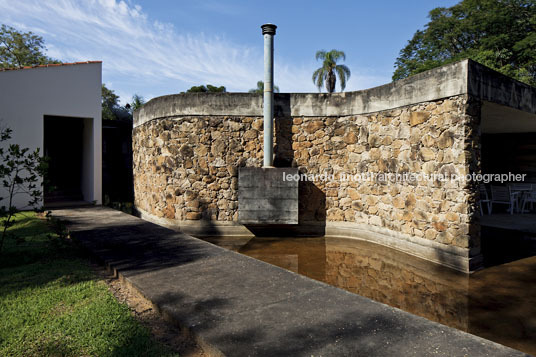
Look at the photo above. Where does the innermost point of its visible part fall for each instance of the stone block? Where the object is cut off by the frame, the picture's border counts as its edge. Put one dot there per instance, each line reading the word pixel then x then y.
pixel 416 118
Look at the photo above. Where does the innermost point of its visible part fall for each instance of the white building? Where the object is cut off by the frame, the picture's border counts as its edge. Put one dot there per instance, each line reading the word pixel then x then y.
pixel 57 108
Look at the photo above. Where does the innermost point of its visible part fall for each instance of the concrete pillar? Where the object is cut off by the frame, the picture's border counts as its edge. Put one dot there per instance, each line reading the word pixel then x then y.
pixel 268 31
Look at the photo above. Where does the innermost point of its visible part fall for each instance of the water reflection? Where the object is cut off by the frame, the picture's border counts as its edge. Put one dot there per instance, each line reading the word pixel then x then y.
pixel 498 303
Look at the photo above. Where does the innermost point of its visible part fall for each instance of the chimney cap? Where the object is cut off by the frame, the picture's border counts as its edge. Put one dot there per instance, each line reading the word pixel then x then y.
pixel 268 29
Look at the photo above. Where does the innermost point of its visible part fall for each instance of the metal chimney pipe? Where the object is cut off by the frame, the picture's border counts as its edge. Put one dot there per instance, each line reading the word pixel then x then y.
pixel 268 31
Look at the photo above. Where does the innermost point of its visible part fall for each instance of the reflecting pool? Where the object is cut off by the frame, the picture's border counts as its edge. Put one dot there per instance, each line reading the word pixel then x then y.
pixel 497 303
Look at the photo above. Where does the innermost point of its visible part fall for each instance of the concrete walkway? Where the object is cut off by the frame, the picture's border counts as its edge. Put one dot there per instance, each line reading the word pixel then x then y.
pixel 239 306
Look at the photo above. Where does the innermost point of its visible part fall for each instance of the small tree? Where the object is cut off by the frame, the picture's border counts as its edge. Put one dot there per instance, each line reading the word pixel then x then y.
pixel 20 173
pixel 260 88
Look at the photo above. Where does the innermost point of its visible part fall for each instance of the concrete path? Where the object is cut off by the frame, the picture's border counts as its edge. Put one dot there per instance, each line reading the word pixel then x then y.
pixel 240 306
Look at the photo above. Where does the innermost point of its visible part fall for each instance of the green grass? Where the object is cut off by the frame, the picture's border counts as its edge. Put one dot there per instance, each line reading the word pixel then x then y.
pixel 53 304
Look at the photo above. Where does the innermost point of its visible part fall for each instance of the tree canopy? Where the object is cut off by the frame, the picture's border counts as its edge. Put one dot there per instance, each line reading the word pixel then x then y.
pixel 111 109
pixel 500 34
pixel 18 49
pixel 330 70
pixel 206 89
pixel 110 103
pixel 260 88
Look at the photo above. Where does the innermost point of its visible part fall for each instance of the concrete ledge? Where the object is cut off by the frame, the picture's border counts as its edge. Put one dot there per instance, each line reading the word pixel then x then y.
pixel 443 82
pixel 453 257
pixel 462 77
pixel 200 228
pixel 239 306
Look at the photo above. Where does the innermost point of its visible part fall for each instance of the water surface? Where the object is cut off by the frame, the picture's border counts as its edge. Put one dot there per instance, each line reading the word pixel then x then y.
pixel 497 303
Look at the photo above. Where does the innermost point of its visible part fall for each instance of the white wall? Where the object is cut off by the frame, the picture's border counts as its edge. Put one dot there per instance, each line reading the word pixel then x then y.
pixel 27 95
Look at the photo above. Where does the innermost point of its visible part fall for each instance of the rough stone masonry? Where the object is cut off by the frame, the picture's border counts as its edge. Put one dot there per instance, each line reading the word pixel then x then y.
pixel 188 148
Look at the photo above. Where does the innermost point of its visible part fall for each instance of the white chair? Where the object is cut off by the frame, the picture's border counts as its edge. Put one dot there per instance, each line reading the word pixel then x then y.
pixel 528 197
pixel 503 195
pixel 523 189
pixel 484 198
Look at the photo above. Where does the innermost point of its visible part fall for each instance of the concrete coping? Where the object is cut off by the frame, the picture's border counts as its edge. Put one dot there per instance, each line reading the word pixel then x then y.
pixel 462 77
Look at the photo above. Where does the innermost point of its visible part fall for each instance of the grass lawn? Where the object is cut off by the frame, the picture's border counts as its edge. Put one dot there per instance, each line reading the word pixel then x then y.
pixel 53 304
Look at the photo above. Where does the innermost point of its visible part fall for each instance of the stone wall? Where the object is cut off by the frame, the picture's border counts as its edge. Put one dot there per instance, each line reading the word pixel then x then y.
pixel 185 168
pixel 188 147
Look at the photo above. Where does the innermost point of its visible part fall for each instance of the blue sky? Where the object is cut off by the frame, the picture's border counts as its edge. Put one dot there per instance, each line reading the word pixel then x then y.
pixel 156 47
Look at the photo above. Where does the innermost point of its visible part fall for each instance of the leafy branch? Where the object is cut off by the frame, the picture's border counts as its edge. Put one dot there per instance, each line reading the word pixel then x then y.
pixel 21 173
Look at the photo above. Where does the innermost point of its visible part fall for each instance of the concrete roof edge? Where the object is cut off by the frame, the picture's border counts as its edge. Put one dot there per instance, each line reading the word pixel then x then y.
pixel 442 82
pixel 489 85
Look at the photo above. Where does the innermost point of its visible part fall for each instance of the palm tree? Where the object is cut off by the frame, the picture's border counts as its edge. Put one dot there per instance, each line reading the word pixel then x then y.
pixel 260 88
pixel 330 70
pixel 137 102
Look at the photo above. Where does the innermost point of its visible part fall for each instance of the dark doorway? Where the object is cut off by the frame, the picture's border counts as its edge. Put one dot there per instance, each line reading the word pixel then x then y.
pixel 117 180
pixel 510 152
pixel 63 145
pixel 508 237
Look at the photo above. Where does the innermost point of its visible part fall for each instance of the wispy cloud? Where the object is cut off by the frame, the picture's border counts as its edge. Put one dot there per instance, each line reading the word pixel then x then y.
pixel 143 55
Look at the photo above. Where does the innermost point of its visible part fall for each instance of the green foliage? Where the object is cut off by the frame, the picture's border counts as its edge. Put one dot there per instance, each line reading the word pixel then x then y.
pixel 137 102
pixel 18 49
pixel 20 173
pixel 260 88
pixel 53 304
pixel 109 102
pixel 111 110
pixel 206 89
pixel 109 98
pixel 500 34
pixel 330 70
